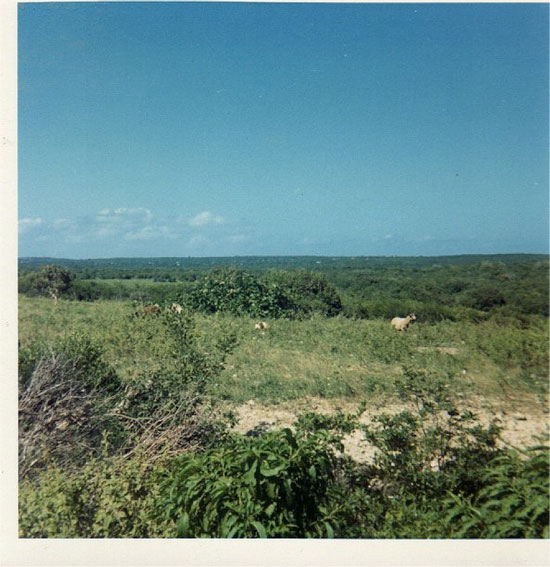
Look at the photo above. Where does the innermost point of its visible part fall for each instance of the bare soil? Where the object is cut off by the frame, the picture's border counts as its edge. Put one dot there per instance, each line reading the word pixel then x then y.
pixel 522 420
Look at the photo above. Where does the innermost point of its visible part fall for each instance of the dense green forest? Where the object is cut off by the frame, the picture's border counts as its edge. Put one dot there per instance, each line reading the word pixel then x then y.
pixel 128 404
pixel 450 287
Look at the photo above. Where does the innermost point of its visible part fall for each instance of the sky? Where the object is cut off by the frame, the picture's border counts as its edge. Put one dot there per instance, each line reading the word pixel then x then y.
pixel 225 129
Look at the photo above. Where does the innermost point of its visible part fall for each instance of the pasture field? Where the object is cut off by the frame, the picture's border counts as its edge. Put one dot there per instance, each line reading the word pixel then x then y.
pixel 333 358
pixel 323 426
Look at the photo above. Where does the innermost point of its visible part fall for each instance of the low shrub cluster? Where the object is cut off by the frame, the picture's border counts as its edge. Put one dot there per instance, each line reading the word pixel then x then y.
pixel 66 396
pixel 436 473
pixel 106 497
pixel 310 291
pixel 513 502
pixel 50 280
pixel 276 485
pixel 71 399
pixel 279 294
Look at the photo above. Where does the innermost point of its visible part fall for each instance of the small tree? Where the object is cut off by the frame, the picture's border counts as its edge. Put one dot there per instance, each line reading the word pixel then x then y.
pixel 52 280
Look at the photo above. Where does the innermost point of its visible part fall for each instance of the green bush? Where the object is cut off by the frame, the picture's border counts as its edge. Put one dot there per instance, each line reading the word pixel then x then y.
pixel 105 498
pixel 70 396
pixel 310 291
pixel 165 409
pixel 423 454
pixel 276 485
pixel 510 347
pixel 28 358
pixel 279 294
pixel 436 474
pixel 513 502
pixel 235 291
pixel 180 365
pixel 83 356
pixel 52 280
pixel 24 283
pixel 485 299
pixel 86 290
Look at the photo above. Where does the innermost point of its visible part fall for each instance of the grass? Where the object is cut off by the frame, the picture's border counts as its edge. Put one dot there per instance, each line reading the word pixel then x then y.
pixel 334 358
pixel 133 489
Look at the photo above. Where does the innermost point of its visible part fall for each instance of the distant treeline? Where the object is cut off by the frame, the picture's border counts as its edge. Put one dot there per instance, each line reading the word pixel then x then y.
pixel 451 287
pixel 112 268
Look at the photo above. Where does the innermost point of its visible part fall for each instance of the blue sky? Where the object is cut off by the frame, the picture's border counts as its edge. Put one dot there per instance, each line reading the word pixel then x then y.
pixel 206 129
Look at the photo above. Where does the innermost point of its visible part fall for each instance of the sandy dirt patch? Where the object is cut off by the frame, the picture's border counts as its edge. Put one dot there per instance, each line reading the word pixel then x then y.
pixel 521 422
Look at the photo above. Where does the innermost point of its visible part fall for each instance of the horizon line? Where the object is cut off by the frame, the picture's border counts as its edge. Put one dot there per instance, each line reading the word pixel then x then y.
pixel 292 256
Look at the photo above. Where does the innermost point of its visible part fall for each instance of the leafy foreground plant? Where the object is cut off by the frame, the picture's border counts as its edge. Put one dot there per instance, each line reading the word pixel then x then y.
pixel 278 485
pixel 434 447
pixel 107 497
pixel 282 484
pixel 436 474
pixel 513 502
pixel 440 474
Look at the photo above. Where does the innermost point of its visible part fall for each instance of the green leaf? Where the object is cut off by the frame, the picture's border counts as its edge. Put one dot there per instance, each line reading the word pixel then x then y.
pixel 250 474
pixel 259 528
pixel 183 525
pixel 270 509
pixel 330 531
pixel 233 531
pixel 465 528
pixel 271 472
pixel 227 524
pixel 290 438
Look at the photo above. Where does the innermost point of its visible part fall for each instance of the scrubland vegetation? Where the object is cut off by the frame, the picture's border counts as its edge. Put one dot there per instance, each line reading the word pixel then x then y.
pixel 126 417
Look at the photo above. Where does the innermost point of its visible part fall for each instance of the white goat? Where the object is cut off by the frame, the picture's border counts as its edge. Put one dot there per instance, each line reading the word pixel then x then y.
pixel 401 323
pixel 176 308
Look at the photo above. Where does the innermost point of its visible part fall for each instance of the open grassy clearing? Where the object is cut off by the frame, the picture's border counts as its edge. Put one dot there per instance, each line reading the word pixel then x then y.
pixel 326 358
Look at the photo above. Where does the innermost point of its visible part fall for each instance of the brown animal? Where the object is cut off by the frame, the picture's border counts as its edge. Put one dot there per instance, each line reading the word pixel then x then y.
pixel 261 326
pixel 148 310
pixel 401 323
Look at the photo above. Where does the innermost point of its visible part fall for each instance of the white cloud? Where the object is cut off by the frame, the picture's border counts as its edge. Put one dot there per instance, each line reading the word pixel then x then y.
pixel 124 215
pixel 28 224
pixel 133 228
pixel 151 232
pixel 205 218
pixel 136 211
pixel 127 223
